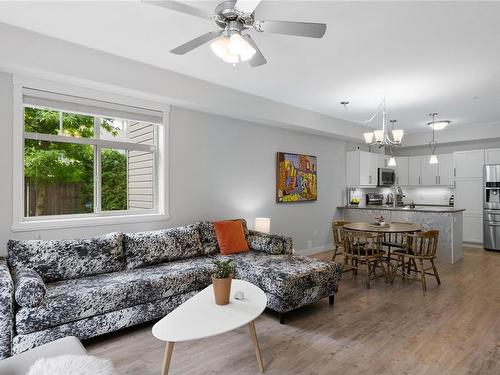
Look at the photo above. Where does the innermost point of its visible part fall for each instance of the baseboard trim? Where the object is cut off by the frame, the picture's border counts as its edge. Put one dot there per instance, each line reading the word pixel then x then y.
pixel 314 250
pixel 473 244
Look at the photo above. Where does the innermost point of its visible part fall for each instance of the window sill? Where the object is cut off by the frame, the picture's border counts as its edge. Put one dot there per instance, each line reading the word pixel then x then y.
pixel 59 223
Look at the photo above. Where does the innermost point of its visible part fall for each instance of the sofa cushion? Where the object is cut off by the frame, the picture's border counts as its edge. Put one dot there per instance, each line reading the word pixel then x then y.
pixel 29 287
pixel 148 248
pixel 291 279
pixel 269 243
pixel 57 260
pixel 71 300
pixel 209 238
pixel 230 237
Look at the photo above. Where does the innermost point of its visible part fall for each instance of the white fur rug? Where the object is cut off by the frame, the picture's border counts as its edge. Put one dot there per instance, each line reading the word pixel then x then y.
pixel 72 365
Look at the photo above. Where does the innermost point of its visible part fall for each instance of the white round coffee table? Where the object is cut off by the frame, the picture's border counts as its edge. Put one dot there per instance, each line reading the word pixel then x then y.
pixel 199 317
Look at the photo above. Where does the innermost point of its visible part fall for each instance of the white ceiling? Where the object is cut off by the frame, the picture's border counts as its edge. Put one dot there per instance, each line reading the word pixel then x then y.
pixel 421 56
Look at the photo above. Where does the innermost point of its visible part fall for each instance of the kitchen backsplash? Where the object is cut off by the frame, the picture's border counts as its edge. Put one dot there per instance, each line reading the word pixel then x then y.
pixel 418 195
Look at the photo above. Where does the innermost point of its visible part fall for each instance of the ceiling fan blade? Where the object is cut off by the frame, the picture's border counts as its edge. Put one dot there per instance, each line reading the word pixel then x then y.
pixel 195 43
pixel 180 7
pixel 307 29
pixel 258 58
pixel 247 6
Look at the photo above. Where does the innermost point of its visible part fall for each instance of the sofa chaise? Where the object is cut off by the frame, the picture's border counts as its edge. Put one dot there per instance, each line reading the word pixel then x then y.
pixel 89 287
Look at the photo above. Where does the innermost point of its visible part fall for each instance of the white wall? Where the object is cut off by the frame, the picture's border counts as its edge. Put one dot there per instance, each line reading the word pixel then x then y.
pixel 220 168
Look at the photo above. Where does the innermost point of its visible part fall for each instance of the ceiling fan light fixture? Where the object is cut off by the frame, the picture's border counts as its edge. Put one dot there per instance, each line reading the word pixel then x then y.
pixel 220 46
pixel 236 44
pixel 230 58
pixel 232 49
pixel 247 53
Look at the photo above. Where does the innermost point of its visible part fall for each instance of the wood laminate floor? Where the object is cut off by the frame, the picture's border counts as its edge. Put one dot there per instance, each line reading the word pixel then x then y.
pixel 452 329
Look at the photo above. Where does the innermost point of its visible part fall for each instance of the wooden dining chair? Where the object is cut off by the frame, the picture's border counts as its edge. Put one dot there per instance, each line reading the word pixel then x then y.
pixel 363 252
pixel 338 245
pixel 396 241
pixel 420 248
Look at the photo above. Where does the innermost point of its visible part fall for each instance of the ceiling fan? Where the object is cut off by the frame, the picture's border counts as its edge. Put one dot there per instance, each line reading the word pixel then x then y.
pixel 234 17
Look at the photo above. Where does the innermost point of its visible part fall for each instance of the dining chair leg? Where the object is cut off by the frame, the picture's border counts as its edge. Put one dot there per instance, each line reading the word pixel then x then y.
pixel 435 272
pixel 422 275
pixel 404 274
pixel 368 275
pixel 334 253
pixel 386 271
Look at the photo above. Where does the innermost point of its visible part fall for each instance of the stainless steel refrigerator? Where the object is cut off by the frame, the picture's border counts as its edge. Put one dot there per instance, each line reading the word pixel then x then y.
pixel 491 207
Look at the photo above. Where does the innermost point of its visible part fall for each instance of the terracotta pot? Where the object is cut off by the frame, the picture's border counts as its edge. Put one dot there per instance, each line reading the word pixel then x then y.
pixel 222 290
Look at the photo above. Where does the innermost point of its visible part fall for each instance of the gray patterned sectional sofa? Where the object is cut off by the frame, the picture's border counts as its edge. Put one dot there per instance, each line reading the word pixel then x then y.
pixel 88 287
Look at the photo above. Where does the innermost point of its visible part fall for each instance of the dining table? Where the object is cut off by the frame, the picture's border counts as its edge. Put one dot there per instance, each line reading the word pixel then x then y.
pixel 393 227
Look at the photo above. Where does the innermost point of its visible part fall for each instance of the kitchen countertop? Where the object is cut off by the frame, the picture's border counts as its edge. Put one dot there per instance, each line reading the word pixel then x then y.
pixel 435 209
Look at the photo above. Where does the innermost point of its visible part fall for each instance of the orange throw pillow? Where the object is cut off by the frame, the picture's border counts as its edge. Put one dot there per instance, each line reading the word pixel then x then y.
pixel 230 237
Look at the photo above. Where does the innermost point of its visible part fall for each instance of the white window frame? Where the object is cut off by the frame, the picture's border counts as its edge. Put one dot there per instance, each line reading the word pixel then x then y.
pixel 161 161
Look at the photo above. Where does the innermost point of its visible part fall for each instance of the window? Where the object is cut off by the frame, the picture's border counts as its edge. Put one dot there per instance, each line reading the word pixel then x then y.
pixel 85 158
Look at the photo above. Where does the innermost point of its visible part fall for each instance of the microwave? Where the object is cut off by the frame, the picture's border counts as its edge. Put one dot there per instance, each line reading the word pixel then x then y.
pixel 386 177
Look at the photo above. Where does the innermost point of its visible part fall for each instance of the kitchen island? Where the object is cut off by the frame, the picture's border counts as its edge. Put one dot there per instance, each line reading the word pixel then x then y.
pixel 448 220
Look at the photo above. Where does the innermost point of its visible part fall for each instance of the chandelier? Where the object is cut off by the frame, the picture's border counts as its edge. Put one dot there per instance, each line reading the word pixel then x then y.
pixel 381 137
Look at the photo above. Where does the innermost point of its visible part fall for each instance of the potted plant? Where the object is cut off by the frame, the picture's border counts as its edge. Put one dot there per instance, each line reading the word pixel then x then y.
pixel 221 279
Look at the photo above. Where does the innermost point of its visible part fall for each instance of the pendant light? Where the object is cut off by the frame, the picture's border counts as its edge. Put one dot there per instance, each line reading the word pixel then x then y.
pixel 433 144
pixel 392 159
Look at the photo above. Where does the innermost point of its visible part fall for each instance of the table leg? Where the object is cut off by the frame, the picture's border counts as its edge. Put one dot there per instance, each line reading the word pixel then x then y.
pixel 253 335
pixel 168 356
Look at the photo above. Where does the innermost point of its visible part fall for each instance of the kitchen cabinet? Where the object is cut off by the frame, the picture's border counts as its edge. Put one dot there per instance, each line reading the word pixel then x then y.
pixel 430 172
pixel 414 170
pixel 362 168
pixel 445 166
pixel 468 167
pixel 492 156
pixel 469 195
pixel 421 173
pixel 468 164
pixel 401 170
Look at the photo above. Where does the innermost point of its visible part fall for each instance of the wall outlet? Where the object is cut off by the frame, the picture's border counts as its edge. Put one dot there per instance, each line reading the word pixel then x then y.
pixel 309 244
pixel 315 232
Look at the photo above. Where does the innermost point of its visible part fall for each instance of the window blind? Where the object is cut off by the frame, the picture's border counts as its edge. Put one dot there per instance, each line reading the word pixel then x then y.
pixel 76 104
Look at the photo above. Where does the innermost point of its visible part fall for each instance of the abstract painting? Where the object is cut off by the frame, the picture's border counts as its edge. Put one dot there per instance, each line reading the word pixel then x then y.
pixel 296 179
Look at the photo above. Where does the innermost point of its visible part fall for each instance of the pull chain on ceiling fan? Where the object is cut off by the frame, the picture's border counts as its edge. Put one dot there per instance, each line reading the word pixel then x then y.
pixel 235 17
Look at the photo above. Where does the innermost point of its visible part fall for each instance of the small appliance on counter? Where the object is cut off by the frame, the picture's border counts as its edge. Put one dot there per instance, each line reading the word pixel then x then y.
pixel 389 199
pixel 374 199
pixel 399 197
pixel 451 201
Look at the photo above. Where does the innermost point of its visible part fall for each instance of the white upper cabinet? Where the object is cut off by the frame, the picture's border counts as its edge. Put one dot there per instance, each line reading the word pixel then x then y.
pixel 414 171
pixel 430 172
pixel 401 170
pixel 492 156
pixel 469 164
pixel 421 173
pixel 362 168
pixel 446 177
